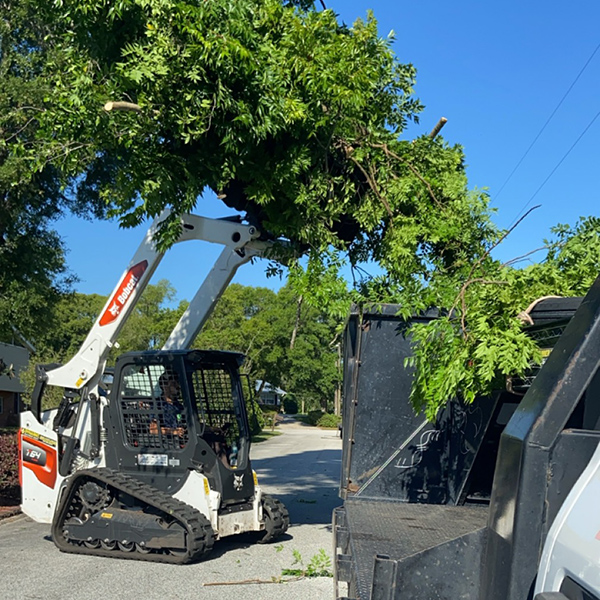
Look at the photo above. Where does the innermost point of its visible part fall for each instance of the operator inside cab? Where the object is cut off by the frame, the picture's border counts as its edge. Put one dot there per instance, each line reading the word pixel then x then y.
pixel 172 421
pixel 171 418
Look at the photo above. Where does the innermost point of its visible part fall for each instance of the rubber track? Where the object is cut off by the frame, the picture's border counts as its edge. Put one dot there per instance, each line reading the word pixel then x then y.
pixel 280 518
pixel 200 535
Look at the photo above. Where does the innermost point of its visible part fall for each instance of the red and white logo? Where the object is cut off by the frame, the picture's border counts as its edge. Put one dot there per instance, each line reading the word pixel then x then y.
pixel 123 293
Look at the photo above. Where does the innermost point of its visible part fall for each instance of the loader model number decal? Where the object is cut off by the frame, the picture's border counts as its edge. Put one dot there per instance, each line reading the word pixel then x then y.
pixel 38 455
pixel 123 293
pixel 33 454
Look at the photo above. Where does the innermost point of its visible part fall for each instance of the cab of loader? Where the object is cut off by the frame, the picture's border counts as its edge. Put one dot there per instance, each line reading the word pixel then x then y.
pixel 170 412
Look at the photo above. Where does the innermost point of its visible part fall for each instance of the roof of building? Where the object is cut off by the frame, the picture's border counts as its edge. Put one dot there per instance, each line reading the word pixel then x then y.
pixel 268 387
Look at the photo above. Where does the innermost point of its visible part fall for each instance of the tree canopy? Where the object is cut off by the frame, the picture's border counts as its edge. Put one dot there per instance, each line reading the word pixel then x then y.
pixel 285 112
pixel 291 117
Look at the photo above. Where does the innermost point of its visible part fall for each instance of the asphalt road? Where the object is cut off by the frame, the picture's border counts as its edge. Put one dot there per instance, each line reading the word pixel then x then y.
pixel 300 467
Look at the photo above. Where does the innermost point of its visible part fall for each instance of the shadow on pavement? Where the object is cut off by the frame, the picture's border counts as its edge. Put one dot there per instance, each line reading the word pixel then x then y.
pixel 243 540
pixel 306 482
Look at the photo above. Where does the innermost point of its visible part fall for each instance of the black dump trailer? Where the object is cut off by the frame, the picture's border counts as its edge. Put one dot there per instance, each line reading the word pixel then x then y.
pixel 460 508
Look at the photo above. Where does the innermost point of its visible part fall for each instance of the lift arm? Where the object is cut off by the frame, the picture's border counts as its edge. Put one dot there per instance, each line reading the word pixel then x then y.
pixel 241 244
pixel 207 296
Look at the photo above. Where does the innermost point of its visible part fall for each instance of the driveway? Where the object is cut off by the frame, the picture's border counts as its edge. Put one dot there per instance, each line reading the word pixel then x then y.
pixel 300 467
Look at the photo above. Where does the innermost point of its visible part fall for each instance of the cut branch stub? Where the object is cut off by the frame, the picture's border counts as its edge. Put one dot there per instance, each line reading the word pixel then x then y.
pixel 126 106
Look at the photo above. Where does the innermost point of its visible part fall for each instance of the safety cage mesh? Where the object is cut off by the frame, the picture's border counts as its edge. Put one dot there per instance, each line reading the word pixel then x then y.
pixel 151 408
pixel 214 394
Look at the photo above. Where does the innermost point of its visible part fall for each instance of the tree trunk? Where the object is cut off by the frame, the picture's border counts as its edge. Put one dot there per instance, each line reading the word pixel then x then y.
pixel 297 325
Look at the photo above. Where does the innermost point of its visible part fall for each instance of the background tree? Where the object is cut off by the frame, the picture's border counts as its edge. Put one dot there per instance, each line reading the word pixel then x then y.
pixel 69 322
pixel 151 321
pixel 147 328
pixel 311 372
pixel 259 323
pixel 33 275
pixel 255 321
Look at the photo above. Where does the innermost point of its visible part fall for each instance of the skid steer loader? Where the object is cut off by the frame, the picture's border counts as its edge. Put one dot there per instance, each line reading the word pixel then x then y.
pixel 155 464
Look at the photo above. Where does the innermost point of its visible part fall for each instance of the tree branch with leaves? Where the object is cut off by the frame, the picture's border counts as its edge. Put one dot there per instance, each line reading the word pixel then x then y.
pixel 296 120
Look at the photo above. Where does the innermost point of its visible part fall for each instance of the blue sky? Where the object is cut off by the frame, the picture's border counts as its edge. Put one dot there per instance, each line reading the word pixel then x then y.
pixel 496 71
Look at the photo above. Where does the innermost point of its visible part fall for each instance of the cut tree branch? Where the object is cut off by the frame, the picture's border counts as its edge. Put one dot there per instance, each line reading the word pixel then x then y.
pixel 523 256
pixel 416 173
pixel 373 186
pixel 502 238
pixel 249 581
pixel 124 106
pixel 461 295
pixel 525 315
pixel 438 128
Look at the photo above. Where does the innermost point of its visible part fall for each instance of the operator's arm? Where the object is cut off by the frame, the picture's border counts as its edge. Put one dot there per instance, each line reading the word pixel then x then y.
pixel 180 431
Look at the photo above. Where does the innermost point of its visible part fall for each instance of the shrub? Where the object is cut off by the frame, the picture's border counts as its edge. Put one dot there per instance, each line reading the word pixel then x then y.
pixel 302 419
pixel 290 406
pixel 314 416
pixel 9 461
pixel 328 420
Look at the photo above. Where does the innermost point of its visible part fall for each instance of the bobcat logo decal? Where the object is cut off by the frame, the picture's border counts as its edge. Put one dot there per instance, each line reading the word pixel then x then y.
pixel 238 482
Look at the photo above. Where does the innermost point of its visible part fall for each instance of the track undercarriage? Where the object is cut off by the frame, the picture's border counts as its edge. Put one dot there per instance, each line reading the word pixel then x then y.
pixel 106 513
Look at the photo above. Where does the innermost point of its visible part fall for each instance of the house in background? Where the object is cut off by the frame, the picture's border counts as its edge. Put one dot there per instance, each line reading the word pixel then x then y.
pixel 269 395
pixel 14 359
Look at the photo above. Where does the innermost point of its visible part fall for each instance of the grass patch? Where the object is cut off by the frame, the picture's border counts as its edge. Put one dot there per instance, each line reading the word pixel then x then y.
pixel 264 435
pixel 318 566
